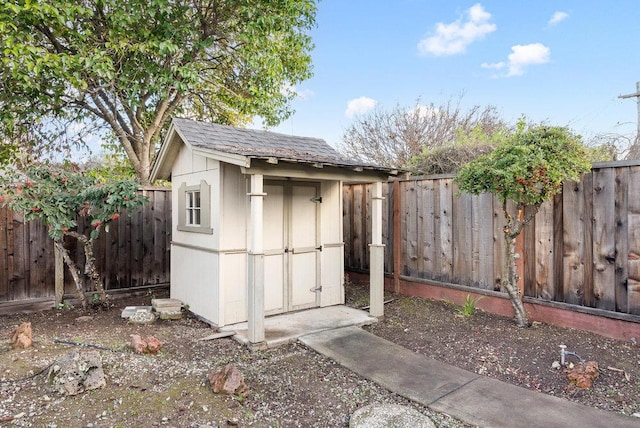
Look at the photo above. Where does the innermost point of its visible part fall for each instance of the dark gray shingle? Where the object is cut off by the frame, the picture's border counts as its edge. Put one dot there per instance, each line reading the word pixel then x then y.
pixel 262 144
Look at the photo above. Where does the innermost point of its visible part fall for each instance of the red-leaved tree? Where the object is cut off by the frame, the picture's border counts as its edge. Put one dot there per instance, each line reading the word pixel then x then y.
pixel 59 197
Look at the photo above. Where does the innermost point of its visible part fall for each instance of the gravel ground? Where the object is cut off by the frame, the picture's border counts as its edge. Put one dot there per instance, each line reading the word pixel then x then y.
pixel 290 386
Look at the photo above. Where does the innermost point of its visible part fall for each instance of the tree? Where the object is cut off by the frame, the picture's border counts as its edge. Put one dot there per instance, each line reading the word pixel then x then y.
pixel 127 66
pixel 527 169
pixel 59 198
pixel 450 157
pixel 395 137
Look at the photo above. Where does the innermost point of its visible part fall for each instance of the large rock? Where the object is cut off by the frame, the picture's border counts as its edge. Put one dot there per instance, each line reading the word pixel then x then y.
pixel 389 416
pixel 77 372
pixel 228 380
pixel 21 337
pixel 150 345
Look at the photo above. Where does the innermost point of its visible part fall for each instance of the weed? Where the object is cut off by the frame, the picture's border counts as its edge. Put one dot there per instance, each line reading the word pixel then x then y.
pixel 469 307
pixel 62 306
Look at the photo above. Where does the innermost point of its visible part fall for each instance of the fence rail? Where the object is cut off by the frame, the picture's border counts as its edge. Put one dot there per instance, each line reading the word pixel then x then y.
pixel 134 252
pixel 582 248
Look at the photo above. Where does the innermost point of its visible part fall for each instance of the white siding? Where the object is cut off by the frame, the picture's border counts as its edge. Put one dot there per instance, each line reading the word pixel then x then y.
pixel 194 275
pixel 234 287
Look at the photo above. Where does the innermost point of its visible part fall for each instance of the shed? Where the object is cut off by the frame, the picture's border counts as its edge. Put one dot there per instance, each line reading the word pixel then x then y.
pixel 257 222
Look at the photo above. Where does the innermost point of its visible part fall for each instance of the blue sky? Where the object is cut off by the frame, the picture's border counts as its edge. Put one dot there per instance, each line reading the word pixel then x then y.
pixel 563 62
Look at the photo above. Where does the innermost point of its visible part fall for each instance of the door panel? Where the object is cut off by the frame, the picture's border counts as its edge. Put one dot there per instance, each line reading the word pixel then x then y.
pixel 290 245
pixel 274 243
pixel 303 235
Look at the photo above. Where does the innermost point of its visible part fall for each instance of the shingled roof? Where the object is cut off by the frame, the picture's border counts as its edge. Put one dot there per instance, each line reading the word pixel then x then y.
pixel 266 145
pixel 262 144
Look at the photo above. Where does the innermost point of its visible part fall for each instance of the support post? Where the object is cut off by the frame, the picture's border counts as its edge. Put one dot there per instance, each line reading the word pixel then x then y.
pixel 255 277
pixel 58 275
pixel 376 262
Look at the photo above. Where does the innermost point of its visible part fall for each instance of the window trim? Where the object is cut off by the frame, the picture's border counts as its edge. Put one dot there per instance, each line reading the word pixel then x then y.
pixel 205 208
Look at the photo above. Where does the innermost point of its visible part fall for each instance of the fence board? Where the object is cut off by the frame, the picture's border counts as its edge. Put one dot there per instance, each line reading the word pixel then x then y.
pixel 483 240
pixel 621 239
pixel 4 266
pixel 411 229
pixel 574 245
pixel 543 254
pixel 445 226
pixel 462 239
pixel 604 245
pixel 583 247
pixel 633 255
pixel 27 262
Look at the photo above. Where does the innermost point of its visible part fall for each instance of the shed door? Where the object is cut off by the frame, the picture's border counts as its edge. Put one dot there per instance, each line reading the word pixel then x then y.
pixel 291 243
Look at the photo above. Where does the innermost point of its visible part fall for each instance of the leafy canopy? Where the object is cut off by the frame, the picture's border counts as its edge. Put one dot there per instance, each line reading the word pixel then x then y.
pixel 60 197
pixel 529 167
pixel 128 66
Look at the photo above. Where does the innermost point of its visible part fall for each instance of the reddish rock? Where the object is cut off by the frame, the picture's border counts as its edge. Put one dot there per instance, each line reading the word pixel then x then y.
pixel 21 337
pixel 153 345
pixel 150 345
pixel 228 380
pixel 138 345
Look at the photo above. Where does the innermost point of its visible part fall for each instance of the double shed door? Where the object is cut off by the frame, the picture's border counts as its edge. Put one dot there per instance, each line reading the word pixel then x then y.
pixel 291 246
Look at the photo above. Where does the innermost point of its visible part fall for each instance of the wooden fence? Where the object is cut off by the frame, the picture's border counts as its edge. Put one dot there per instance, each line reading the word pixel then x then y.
pixel 582 248
pixel 133 253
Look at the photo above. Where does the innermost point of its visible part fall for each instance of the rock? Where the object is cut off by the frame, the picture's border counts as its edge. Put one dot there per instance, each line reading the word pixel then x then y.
pixel 150 345
pixel 555 365
pixel 83 319
pixel 153 345
pixel 130 310
pixel 582 375
pixel 138 345
pixel 142 317
pixel 21 338
pixel 228 380
pixel 76 372
pixel 389 416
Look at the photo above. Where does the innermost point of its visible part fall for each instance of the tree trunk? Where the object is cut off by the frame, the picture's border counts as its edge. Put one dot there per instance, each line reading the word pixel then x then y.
pixel 510 280
pixel 75 272
pixel 92 272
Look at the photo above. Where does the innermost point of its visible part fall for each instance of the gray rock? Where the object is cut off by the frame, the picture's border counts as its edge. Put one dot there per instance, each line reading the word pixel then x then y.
pixel 389 416
pixel 77 372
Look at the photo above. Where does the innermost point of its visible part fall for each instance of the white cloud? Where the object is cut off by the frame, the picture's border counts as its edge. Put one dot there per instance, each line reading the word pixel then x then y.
pixel 359 105
pixel 557 18
pixel 521 57
pixel 453 38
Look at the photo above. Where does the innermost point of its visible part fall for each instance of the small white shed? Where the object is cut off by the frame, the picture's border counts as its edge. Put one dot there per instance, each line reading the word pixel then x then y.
pixel 257 222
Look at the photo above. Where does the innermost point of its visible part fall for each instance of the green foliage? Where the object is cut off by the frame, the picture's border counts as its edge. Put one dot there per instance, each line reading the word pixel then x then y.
pixel 469 307
pixel 128 66
pixel 59 197
pixel 529 167
pixel 451 156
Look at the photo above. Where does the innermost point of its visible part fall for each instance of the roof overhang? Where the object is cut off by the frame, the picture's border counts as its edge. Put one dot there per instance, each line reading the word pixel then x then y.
pixel 275 166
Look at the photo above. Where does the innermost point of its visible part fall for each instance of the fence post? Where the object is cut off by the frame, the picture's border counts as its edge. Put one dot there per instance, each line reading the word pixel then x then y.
pixel 59 275
pixel 397 236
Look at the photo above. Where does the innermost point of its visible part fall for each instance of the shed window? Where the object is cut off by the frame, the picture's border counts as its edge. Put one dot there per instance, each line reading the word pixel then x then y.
pixel 194 208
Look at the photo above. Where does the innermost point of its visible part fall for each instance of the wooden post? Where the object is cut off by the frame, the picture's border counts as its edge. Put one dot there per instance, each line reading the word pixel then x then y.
pixel 58 275
pixel 376 265
pixel 397 236
pixel 255 279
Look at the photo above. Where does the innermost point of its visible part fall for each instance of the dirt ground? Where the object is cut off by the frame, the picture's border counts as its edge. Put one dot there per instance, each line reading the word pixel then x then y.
pixel 290 386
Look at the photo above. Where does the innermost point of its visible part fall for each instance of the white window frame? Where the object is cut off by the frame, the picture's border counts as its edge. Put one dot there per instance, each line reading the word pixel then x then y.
pixel 185 221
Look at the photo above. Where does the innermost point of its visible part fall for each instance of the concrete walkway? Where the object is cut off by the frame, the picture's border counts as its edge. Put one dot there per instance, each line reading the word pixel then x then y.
pixel 469 397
